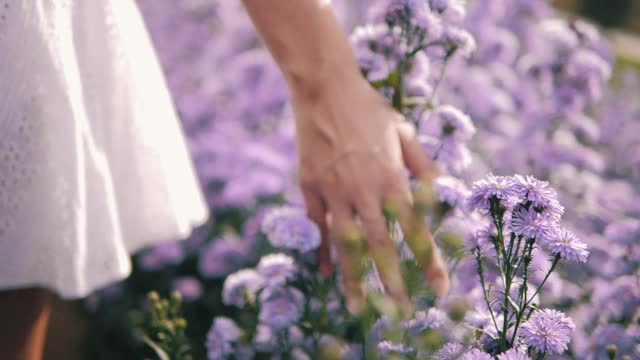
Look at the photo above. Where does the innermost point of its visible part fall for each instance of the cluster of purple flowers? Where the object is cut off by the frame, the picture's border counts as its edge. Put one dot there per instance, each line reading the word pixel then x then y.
pixel 267 292
pixel 532 211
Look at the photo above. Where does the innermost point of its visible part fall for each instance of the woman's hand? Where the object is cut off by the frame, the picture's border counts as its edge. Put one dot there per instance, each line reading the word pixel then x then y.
pixel 354 149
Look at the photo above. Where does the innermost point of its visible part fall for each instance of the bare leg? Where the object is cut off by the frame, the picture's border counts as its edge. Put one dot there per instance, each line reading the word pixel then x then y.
pixel 24 315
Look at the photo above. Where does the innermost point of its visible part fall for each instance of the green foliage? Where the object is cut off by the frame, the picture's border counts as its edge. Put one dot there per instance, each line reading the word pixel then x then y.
pixel 163 328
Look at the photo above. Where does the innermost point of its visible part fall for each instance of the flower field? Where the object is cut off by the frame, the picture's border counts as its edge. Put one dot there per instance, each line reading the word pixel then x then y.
pixel 534 126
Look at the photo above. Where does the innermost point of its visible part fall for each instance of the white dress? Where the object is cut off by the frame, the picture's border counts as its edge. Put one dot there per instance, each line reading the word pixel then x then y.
pixel 93 162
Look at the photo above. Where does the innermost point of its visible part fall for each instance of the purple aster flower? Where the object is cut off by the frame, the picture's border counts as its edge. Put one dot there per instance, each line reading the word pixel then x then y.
pixel 449 152
pixel 223 256
pixel 625 340
pixel 451 351
pixel 423 320
pixel 513 354
pixel 451 190
pixel 616 299
pixel 373 43
pixel 502 187
pixel 548 330
pixel 625 231
pixel 387 348
pixel 376 334
pixel 540 194
pixel 162 255
pixel 583 61
pixel 264 339
pixel 461 39
pixel 532 224
pixel 189 287
pixel 414 14
pixel 240 286
pixel 290 228
pixel 277 269
pixel 220 337
pixel 439 5
pixel 299 354
pixel 446 120
pixel 476 354
pixel 280 307
pixel 352 352
pixel 567 244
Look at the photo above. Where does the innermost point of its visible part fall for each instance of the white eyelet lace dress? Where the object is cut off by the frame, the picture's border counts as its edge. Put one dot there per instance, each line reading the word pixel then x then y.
pixel 93 162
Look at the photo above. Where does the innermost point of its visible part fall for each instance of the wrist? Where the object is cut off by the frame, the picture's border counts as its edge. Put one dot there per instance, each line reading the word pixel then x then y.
pixel 326 79
pixel 333 66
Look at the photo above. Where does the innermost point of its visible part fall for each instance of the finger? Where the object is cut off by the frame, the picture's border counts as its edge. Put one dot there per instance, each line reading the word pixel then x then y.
pixel 419 239
pixel 383 251
pixel 350 251
pixel 414 155
pixel 317 212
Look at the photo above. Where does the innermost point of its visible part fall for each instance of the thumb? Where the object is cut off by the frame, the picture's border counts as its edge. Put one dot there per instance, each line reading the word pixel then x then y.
pixel 414 155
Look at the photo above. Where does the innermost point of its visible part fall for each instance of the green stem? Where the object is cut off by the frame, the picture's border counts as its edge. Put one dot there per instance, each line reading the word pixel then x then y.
pixel 522 293
pixel 556 259
pixel 484 287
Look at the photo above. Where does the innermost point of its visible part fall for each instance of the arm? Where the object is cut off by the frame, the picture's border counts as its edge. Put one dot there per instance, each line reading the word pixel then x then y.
pixel 353 147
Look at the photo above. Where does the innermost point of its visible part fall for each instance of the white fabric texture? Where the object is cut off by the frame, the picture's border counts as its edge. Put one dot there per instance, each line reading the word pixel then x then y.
pixel 93 162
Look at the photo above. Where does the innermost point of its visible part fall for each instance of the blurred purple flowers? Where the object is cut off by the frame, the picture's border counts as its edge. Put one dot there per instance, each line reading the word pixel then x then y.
pixel 289 228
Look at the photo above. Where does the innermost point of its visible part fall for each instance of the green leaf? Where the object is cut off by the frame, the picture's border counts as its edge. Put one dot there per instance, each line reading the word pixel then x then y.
pixel 516 307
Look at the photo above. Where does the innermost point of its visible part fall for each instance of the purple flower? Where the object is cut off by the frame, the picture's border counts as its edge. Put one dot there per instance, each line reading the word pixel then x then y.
pixel 189 287
pixel 277 269
pixel 460 39
pixel 264 339
pixel 625 340
pixel 616 299
pixel 567 244
pixel 223 256
pixel 532 224
pixel 280 307
pixel 162 255
pixel 423 320
pixel 513 354
pixel 299 354
pixel 413 14
pixel 387 348
pixel 446 120
pixel 290 228
pixel 501 187
pixel 451 351
pixel 586 62
pixel 476 354
pixel 374 48
pixel 540 194
pixel 548 330
pixel 625 231
pixel 240 286
pixel 220 337
pixel 449 152
pixel 451 190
